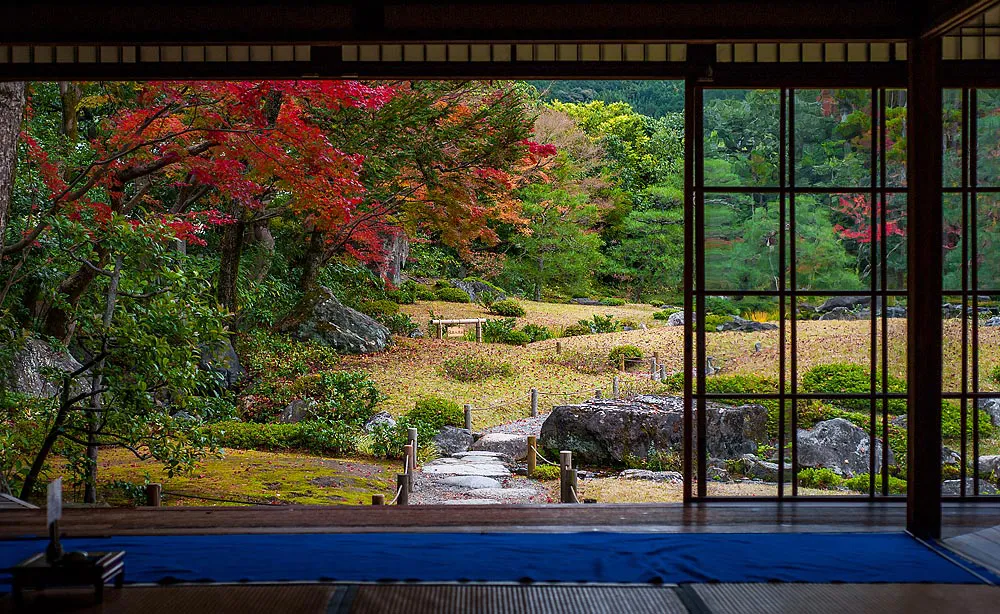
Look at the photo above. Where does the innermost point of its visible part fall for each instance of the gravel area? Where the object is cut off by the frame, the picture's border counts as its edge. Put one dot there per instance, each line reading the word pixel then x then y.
pixel 524 426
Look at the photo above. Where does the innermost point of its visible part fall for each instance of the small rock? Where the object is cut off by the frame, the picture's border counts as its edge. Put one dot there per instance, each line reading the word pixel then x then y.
pixel 949 456
pixel 25 373
pixel 740 325
pixel 654 476
pixel 320 317
pixel 296 411
pixel 479 454
pixel 995 321
pixel 382 417
pixel 503 494
pixel 451 440
pixel 953 487
pixel 221 359
pixel 839 313
pixel 989 465
pixel 717 474
pixel 513 447
pixel 471 481
pixel 496 470
pixel 844 302
pixel 758 469
pixel 676 319
pixel 839 445
pixel 992 408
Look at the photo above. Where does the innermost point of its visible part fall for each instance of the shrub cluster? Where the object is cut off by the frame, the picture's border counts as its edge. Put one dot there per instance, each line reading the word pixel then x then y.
pixel 601 324
pixel 576 330
pixel 861 483
pixel 475 368
pixel 318 436
pixel 437 412
pixel 452 295
pixel 628 352
pixel 379 310
pixel 508 308
pixel 848 378
pixel 269 354
pixel 819 478
pixel 536 332
pixel 505 331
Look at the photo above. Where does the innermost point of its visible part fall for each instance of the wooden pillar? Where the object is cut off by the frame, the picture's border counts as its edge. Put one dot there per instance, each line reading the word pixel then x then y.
pixel 479 331
pixel 532 454
pixel 615 384
pixel 411 436
pixel 534 402
pixel 440 331
pixel 621 362
pixel 558 347
pixel 402 486
pixel 378 499
pixel 924 227
pixel 468 417
pixel 565 466
pixel 153 495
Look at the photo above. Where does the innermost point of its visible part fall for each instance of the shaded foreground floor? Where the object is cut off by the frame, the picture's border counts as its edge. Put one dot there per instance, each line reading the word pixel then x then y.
pixel 537 599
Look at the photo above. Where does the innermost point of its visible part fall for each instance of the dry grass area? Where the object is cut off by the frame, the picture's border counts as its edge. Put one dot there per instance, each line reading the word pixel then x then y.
pixel 244 475
pixel 552 315
pixel 412 367
pixel 619 490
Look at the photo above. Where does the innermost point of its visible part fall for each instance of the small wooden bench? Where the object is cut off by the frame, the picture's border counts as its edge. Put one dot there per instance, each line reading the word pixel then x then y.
pixel 442 324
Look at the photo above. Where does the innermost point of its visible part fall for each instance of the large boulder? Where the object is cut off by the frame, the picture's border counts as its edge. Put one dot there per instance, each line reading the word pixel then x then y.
pixel 758 469
pixel 954 487
pixel 26 371
pixel 992 408
pixel 451 440
pixel 475 289
pixel 510 446
pixel 609 432
pixel 839 445
pixel 221 359
pixel 839 313
pixel 740 325
pixel 379 419
pixel 676 319
pixel 297 411
pixel 320 317
pixel 989 465
pixel 847 302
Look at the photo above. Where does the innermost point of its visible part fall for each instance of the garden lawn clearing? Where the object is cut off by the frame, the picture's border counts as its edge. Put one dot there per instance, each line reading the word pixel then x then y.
pixel 552 315
pixel 254 477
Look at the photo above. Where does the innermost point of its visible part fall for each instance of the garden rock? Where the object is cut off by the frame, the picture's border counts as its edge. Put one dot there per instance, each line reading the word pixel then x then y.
pixel 953 487
pixel 989 465
pixel 221 359
pixel 839 445
pixel 476 289
pixel 503 494
pixel 25 375
pixel 609 431
pixel 296 411
pixel 322 318
pixel 512 447
pixel 451 440
pixel 592 302
pixel 949 310
pixel 890 313
pixel 471 481
pixel 654 476
pixel 758 469
pixel 994 321
pixel 380 418
pixel 844 302
pixel 676 319
pixel 839 313
pixel 740 325
pixel 992 408
pixel 949 456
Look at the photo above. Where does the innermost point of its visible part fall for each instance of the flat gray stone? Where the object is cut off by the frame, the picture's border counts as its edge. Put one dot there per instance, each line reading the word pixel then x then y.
pixel 655 476
pixel 514 447
pixel 471 502
pixel 504 494
pixel 482 469
pixel 477 454
pixel 471 481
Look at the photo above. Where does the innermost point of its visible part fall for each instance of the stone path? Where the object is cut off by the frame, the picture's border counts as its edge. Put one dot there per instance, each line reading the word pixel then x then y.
pixel 473 478
pixel 524 426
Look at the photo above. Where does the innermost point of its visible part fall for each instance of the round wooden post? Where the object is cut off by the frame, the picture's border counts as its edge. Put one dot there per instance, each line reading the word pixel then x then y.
pixel 565 464
pixel 408 465
pixel 572 490
pixel 656 357
pixel 534 402
pixel 468 417
pixel 378 499
pixel 598 393
pixel 532 454
pixel 402 488
pixel 621 362
pixel 411 435
pixel 154 494
pixel 558 347
pixel 614 387
pixel 652 369
pixel 440 331
pixel 663 373
pixel 479 331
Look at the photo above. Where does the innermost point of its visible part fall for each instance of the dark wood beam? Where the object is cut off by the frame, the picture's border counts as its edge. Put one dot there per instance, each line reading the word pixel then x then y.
pixel 396 21
pixel 925 264
pixel 942 16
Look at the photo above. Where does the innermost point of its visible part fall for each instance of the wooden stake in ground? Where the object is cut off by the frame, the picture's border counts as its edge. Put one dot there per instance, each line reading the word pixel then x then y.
pixel 532 454
pixel 534 402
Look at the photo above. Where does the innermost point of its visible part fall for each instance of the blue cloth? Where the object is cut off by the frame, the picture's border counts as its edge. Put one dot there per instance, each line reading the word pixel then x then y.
pixel 512 557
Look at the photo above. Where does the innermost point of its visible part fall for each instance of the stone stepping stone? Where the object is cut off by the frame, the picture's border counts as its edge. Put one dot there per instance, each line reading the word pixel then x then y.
pixel 471 481
pixel 514 447
pixel 477 454
pixel 481 469
pixel 471 502
pixel 503 493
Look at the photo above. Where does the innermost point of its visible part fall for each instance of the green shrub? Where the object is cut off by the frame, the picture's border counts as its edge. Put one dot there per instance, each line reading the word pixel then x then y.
pixel 212 409
pixel 495 331
pixel 536 332
pixel 849 378
pixel 951 421
pixel 436 413
pixel 576 330
pixel 379 310
pixel 401 324
pixel 545 473
pixel 664 315
pixel 452 295
pixel 713 322
pixel 517 337
pixel 267 354
pixel 422 292
pixel 819 478
pixel 475 368
pixel 388 441
pixel 487 299
pixel 613 302
pixel 508 308
pixel 317 436
pixel 601 324
pixel 721 306
pixel 861 483
pixel 628 352
pixel 995 374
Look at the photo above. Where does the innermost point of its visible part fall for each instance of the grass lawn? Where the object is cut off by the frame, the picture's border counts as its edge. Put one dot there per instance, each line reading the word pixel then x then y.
pixel 552 315
pixel 246 475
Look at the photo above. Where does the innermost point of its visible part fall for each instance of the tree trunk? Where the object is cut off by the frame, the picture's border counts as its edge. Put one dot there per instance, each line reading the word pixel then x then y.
pixel 12 100
pixel 264 241
pixel 59 322
pixel 50 440
pixel 312 262
pixel 70 95
pixel 230 252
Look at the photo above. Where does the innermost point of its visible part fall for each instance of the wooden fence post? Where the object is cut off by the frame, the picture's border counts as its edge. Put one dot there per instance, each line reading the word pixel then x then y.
pixel 663 373
pixel 440 331
pixel 408 465
pixel 378 499
pixel 411 435
pixel 479 332
pixel 565 465
pixel 534 402
pixel 468 417
pixel 621 362
pixel 558 347
pixel 598 393
pixel 154 494
pixel 532 454
pixel 614 387
pixel 401 488
pixel 652 369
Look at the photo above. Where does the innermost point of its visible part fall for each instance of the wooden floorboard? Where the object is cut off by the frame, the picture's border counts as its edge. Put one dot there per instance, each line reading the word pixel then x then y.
pixel 715 517
pixel 982 547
